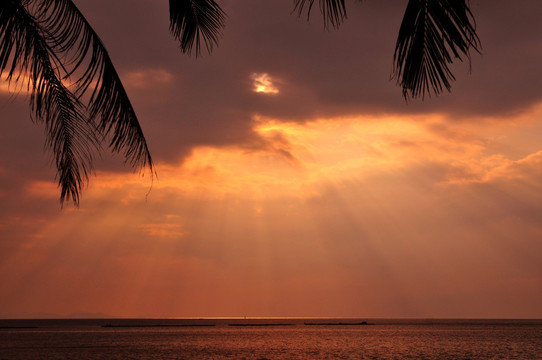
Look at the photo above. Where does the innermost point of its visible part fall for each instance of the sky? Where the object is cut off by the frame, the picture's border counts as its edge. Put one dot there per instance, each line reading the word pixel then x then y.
pixel 293 179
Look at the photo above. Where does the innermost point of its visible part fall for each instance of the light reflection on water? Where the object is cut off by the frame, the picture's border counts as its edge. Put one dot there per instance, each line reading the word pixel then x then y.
pixel 387 339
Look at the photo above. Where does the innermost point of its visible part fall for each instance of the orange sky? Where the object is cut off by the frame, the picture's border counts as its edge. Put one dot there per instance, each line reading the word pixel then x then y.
pixel 290 182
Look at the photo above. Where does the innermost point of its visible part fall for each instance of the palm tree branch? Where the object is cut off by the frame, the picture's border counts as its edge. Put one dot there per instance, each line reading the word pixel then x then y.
pixel 194 21
pixel 333 11
pixel 433 33
pixel 108 101
pixel 69 135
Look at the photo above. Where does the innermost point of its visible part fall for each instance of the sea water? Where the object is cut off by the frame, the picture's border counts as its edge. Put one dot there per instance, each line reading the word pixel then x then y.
pixel 270 339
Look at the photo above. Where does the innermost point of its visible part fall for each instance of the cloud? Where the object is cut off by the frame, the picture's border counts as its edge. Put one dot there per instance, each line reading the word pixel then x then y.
pixel 263 83
pixel 169 230
pixel 334 190
pixel 324 74
pixel 5 87
pixel 148 79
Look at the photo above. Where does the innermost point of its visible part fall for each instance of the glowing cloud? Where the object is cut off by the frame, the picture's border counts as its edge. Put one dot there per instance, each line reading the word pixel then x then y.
pixel 21 83
pixel 15 86
pixel 298 159
pixel 147 78
pixel 4 87
pixel 263 83
pixel 347 205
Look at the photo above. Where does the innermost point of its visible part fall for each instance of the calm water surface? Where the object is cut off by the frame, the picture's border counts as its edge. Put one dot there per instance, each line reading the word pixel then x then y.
pixel 173 339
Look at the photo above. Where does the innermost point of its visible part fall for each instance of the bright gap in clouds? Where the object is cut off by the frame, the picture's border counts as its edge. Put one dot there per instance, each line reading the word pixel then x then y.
pixel 263 83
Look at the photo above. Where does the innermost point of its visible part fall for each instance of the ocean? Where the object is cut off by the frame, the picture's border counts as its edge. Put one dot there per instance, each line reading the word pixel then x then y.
pixel 260 338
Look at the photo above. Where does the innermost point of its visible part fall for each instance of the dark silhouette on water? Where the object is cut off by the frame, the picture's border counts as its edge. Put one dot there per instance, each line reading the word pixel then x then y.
pixel 338 323
pixel 261 324
pixel 154 325
pixel 17 327
pixel 49 43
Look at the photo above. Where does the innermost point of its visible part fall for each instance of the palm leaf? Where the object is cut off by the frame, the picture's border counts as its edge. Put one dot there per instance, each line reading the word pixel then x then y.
pixel 51 40
pixel 432 34
pixel 195 21
pixel 109 101
pixel 333 11
pixel 25 53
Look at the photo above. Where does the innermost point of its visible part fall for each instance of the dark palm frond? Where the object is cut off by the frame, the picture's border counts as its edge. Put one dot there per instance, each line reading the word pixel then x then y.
pixel 192 21
pixel 51 42
pixel 25 52
pixel 333 11
pixel 118 118
pixel 71 138
pixel 431 33
pixel 109 101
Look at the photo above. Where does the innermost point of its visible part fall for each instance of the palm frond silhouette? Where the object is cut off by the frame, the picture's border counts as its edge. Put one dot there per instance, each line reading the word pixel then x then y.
pixel 76 92
pixel 49 43
pixel 194 21
pixel 333 11
pixel 432 34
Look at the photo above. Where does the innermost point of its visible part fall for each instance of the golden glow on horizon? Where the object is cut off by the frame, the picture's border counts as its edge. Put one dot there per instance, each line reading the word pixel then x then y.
pixel 263 83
